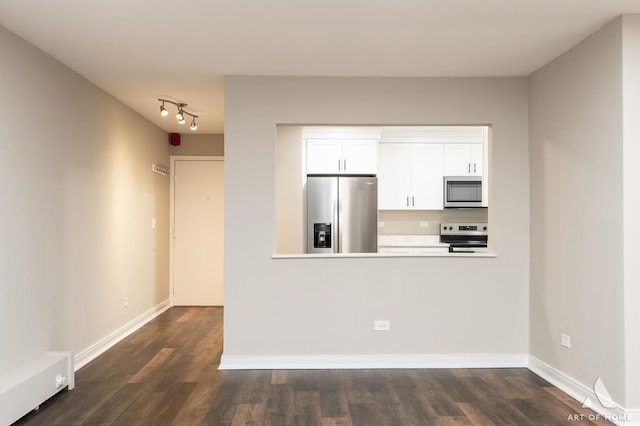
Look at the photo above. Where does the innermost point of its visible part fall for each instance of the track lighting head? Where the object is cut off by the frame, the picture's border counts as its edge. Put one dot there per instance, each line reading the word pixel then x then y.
pixel 181 113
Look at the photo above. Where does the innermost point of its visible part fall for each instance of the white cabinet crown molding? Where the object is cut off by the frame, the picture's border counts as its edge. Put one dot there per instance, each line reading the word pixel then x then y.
pixel 433 134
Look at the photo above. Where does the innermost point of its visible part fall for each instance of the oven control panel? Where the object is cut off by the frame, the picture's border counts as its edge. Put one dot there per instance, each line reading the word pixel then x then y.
pixel 464 229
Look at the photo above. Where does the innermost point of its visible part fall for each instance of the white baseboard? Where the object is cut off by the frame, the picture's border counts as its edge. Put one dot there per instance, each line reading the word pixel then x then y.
pixel 580 393
pixel 100 347
pixel 317 362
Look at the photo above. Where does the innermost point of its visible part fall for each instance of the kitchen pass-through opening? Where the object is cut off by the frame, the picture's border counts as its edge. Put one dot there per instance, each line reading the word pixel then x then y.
pixel 379 189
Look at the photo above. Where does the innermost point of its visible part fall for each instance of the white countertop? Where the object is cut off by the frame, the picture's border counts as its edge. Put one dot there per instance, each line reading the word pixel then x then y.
pixel 410 241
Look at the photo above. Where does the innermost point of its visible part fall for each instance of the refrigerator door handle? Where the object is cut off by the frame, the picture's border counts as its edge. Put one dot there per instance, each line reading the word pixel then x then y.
pixel 337 236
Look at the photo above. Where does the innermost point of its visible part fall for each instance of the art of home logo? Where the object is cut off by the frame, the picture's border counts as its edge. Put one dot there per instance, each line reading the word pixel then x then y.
pixel 603 401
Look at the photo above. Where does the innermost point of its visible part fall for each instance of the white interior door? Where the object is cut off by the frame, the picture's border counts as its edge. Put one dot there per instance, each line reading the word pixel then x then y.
pixel 198 227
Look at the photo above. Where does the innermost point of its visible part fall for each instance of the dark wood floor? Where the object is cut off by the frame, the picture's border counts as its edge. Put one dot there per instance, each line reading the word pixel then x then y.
pixel 166 373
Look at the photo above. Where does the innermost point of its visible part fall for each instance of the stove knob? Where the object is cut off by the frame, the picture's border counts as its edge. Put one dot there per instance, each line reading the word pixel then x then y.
pixel 451 228
pixel 484 229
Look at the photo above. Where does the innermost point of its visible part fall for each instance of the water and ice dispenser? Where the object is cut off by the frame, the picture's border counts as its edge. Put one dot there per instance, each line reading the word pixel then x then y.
pixel 321 235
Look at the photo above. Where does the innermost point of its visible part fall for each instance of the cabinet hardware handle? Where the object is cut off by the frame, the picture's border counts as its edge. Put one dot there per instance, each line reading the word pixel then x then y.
pixel 474 168
pixel 407 201
pixel 469 167
pixel 339 165
pixel 345 165
pixel 413 201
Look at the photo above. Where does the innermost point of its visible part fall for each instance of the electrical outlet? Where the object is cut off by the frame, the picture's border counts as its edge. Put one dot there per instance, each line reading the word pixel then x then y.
pixel 424 224
pixel 125 302
pixel 380 224
pixel 565 340
pixel 381 325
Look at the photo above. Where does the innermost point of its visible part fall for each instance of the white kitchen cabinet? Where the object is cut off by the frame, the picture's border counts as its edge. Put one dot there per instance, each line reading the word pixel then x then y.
pixel 463 159
pixel 413 250
pixel 346 156
pixel 410 176
pixel 399 250
pixel 324 156
pixel 411 244
pixel 426 176
pixel 394 176
pixel 424 250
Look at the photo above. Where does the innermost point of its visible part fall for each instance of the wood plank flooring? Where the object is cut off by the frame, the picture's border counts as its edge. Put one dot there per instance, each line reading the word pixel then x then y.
pixel 166 374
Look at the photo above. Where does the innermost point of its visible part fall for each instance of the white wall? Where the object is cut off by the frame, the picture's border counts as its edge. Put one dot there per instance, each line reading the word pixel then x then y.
pixel 327 306
pixel 78 196
pixel 576 137
pixel 631 212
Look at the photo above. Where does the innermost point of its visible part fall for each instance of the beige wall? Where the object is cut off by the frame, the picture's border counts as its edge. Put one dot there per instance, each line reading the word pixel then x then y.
pixel 289 201
pixel 78 196
pixel 327 306
pixel 631 211
pixel 197 144
pixel 576 142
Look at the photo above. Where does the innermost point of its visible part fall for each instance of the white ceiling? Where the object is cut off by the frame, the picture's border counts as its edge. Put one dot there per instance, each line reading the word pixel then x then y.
pixel 140 50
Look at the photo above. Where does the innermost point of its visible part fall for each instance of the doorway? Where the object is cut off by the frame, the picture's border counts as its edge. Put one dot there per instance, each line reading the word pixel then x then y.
pixel 197 231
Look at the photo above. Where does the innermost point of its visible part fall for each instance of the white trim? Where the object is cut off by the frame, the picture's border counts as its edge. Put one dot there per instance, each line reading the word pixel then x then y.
pixel 580 393
pixel 100 347
pixel 315 362
pixel 172 171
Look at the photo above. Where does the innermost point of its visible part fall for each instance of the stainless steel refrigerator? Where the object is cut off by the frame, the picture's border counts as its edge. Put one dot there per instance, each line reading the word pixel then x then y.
pixel 342 214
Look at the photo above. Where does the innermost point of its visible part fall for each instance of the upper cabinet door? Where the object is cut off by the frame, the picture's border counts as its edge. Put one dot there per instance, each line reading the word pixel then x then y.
pixel 427 184
pixel 394 176
pixel 324 156
pixel 477 159
pixel 349 156
pixel 410 176
pixel 360 156
pixel 463 159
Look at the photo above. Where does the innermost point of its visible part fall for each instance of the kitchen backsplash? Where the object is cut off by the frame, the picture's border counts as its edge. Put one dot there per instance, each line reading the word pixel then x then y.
pixel 398 222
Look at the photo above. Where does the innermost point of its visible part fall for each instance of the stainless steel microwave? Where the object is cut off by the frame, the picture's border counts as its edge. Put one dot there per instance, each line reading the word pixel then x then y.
pixel 462 191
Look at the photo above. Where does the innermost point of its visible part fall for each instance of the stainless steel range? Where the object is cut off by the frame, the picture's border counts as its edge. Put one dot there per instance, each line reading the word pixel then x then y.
pixel 464 237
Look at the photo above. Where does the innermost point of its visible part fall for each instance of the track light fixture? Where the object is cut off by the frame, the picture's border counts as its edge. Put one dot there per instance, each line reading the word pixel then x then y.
pixel 163 110
pixel 181 113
